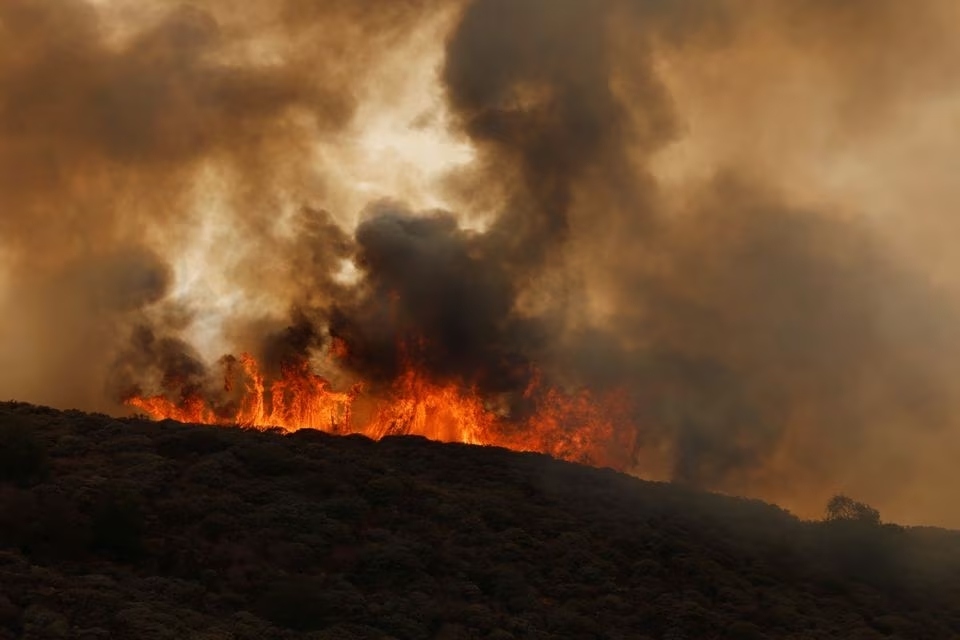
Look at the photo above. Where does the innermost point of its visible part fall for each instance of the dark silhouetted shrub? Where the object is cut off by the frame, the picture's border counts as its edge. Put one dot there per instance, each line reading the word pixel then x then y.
pixel 23 456
pixel 267 459
pixel 201 441
pixel 307 603
pixel 843 508
pixel 383 490
pixel 59 531
pixel 9 614
pixel 741 630
pixel 118 526
pixel 348 508
pixel 385 565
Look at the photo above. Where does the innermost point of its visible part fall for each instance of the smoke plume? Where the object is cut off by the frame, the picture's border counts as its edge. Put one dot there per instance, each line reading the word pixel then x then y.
pixel 729 215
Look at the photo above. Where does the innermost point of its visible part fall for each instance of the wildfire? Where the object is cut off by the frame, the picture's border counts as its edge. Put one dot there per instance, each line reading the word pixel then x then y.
pixel 575 426
pixel 439 412
pixel 299 399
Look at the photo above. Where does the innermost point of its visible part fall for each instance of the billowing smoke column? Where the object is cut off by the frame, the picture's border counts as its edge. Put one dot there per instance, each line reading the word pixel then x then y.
pixel 624 248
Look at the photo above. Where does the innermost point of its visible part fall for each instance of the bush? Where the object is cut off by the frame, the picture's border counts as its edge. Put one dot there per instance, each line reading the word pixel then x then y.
pixel 384 490
pixel 23 456
pixel 305 603
pixel 199 441
pixel 58 530
pixel 118 526
pixel 840 508
pixel 743 630
pixel 267 459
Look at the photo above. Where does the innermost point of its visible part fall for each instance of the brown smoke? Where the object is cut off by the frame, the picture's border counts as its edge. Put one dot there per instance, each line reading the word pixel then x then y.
pixel 711 204
pixel 109 143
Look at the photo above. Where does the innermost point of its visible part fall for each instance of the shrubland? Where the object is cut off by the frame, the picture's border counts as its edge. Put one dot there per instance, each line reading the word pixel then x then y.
pixel 134 529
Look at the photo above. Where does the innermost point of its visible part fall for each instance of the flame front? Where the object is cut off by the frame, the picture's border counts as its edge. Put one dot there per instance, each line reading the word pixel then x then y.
pixel 576 426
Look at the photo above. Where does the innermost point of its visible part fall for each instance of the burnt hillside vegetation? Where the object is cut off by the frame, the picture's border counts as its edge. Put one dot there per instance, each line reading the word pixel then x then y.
pixel 134 529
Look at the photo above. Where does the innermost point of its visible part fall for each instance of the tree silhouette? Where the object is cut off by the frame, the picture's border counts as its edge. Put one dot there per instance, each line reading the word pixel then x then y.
pixel 842 508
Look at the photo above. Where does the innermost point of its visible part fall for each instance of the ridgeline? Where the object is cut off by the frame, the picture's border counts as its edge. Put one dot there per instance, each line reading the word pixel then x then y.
pixel 132 529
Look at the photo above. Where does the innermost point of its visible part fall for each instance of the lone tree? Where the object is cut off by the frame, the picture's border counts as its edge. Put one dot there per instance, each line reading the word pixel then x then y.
pixel 842 508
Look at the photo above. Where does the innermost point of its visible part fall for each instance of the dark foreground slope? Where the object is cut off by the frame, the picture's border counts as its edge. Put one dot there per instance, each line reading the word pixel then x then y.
pixel 131 529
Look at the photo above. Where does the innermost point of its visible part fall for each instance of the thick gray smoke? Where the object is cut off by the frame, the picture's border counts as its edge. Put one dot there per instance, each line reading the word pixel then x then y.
pixel 770 342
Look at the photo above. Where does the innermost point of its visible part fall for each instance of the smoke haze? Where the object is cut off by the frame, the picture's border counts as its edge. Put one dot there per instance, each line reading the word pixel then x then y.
pixel 739 213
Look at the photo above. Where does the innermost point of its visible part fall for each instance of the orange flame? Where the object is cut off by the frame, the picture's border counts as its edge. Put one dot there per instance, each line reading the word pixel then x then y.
pixel 299 399
pixel 191 409
pixel 438 412
pixel 572 426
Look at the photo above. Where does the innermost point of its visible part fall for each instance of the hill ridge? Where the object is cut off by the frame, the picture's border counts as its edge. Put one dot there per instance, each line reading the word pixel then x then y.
pixel 125 528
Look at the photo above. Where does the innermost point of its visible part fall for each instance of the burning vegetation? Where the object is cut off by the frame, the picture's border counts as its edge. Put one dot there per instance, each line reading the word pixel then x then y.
pixel 574 426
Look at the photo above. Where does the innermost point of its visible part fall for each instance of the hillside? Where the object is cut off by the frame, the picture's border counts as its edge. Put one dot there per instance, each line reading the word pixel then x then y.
pixel 131 529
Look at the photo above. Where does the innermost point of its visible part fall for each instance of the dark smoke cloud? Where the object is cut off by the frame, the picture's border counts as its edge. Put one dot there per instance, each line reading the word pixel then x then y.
pixel 531 84
pixel 766 344
pixel 438 295
pixel 170 363
pixel 756 325
pixel 781 319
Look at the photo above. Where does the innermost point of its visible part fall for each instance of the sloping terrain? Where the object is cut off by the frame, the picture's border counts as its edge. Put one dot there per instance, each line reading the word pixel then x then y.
pixel 131 529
